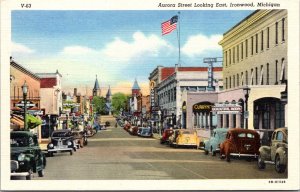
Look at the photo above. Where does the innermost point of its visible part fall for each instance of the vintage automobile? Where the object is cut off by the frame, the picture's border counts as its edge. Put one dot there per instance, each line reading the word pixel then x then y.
pixel 213 144
pixel 166 136
pixel 26 155
pixel 80 138
pixel 61 141
pixel 146 132
pixel 276 153
pixel 139 131
pixel 127 127
pixel 240 142
pixel 185 137
pixel 133 130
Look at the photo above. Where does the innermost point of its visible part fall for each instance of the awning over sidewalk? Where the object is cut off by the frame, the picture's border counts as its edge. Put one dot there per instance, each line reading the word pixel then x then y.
pixel 16 122
pixel 33 121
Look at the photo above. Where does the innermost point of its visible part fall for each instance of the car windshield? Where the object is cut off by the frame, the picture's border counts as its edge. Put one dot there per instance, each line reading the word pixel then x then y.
pixel 250 135
pixel 242 135
pixel 60 134
pixel 222 136
pixel 19 142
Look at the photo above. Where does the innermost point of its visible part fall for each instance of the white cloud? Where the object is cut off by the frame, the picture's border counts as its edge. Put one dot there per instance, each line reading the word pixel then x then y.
pixel 19 48
pixel 141 44
pixel 199 44
pixel 77 50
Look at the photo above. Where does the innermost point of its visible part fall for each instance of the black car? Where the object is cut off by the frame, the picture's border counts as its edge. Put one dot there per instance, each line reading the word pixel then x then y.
pixel 26 155
pixel 61 141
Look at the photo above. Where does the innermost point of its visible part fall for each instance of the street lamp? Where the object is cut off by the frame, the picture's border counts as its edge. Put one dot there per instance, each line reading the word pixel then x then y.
pixel 159 121
pixel 246 91
pixel 25 90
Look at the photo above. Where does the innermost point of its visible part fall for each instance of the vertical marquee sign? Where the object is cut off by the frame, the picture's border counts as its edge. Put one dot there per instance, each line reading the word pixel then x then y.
pixel 152 95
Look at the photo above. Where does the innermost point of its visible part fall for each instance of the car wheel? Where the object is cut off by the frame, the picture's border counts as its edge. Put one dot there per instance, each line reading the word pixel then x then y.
pixel 74 148
pixel 260 163
pixel 205 152
pixel 71 152
pixel 41 173
pixel 50 154
pixel 29 177
pixel 279 167
pixel 213 153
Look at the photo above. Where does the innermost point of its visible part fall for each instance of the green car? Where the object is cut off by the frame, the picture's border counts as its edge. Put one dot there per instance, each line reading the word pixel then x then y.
pixel 276 153
pixel 213 144
pixel 26 155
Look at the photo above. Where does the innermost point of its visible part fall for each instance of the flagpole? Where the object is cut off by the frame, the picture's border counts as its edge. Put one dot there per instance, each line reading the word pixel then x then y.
pixel 178 37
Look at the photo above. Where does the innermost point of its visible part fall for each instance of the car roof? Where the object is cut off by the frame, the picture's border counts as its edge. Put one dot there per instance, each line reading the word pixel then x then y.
pixel 283 129
pixel 221 129
pixel 61 130
pixel 240 130
pixel 21 133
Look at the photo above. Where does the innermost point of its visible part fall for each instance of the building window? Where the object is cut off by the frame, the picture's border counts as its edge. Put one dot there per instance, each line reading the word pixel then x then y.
pixel 252 45
pixel 242 78
pixel 229 56
pixel 233 80
pixel 246 48
pixel 247 78
pixel 226 83
pixel 242 50
pixel 256 43
pixel 14 92
pixel 283 39
pixel 233 59
pixel 282 69
pixel 226 58
pixel 276 72
pixel 268 37
pixel 174 93
pixel 276 33
pixel 262 40
pixel 229 82
pixel 256 76
pixel 237 80
pixel 238 53
pixel 261 75
pixel 252 82
pixel 268 74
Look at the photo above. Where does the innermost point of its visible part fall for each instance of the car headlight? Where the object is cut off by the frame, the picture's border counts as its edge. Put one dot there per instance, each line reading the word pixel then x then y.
pixel 21 157
pixel 69 143
pixel 51 145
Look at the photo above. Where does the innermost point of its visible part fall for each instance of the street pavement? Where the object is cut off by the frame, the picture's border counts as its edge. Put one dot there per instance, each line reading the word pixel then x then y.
pixel 113 154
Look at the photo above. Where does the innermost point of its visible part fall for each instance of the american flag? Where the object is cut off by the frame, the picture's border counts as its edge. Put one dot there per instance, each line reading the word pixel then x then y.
pixel 169 26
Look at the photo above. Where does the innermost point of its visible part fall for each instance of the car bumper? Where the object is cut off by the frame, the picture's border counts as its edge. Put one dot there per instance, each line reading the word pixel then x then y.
pixel 185 144
pixel 21 174
pixel 244 155
pixel 62 149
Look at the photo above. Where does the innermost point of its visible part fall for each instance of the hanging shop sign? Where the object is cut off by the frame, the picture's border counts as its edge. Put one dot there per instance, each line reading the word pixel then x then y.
pixel 29 104
pixel 202 107
pixel 227 108
pixel 152 96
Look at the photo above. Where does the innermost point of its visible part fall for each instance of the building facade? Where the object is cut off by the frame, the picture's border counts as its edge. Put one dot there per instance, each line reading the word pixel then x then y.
pixel 255 56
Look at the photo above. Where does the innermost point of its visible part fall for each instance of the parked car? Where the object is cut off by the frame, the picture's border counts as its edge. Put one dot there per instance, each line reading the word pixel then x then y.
pixel 146 132
pixel 79 137
pixel 107 123
pixel 133 130
pixel 61 141
pixel 276 152
pixel 139 131
pixel 26 155
pixel 213 144
pixel 185 137
pixel 166 136
pixel 127 127
pixel 240 142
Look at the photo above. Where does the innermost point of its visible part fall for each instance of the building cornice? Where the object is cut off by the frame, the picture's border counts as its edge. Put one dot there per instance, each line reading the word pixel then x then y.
pixel 24 70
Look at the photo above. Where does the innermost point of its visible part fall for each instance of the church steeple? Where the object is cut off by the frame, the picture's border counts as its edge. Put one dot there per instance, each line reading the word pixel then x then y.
pixel 135 88
pixel 96 90
pixel 108 95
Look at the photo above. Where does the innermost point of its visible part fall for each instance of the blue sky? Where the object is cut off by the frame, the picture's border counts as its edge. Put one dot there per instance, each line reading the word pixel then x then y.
pixel 117 45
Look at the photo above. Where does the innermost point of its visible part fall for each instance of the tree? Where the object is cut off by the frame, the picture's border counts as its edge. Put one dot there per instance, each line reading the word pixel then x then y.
pixel 119 101
pixel 99 105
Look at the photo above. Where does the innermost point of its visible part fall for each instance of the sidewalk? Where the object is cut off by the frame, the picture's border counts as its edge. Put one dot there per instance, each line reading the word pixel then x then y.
pixel 156 136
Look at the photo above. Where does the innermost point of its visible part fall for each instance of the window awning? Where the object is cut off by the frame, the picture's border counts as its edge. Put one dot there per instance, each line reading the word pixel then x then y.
pixel 18 121
pixel 33 121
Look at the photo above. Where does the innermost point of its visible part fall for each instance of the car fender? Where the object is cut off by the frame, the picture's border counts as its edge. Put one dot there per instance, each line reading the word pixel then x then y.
pixel 206 145
pixel 282 152
pixel 265 153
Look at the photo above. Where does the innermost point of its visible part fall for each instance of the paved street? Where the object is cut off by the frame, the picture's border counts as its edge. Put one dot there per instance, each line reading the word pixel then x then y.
pixel 114 154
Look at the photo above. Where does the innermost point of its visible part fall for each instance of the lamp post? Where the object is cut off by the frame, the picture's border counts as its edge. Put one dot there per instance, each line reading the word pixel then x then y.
pixel 159 121
pixel 246 91
pixel 25 90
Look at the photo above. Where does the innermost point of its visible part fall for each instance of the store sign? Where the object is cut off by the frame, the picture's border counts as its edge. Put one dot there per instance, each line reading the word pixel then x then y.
pixel 155 108
pixel 29 104
pixel 152 97
pixel 227 108
pixel 202 107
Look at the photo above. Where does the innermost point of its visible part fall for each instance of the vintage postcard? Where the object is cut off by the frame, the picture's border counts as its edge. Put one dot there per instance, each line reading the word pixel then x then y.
pixel 149 95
